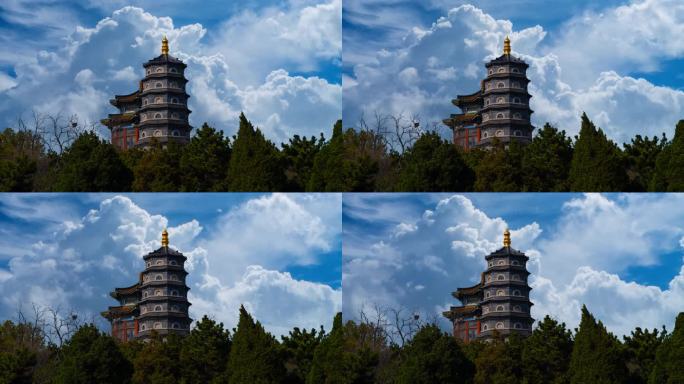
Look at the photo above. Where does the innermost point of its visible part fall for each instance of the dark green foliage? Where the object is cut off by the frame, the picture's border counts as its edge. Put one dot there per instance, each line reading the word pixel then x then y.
pixel 433 164
pixel 19 156
pixel 500 169
pixel 597 163
pixel 348 162
pixel 204 161
pixel 434 357
pixel 255 355
pixel 300 154
pixel 499 362
pixel 18 353
pixel 92 357
pixel 668 175
pixel 157 361
pixel 157 169
pixel 545 356
pixel 299 347
pixel 255 163
pixel 641 155
pixel 205 352
pixel 546 161
pixel 668 367
pixel 327 366
pixel 640 353
pixel 596 356
pixel 92 165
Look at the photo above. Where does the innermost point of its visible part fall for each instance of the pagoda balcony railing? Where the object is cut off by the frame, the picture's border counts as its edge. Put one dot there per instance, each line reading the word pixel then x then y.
pixel 507 266
pixel 506 74
pixel 506 89
pixel 163 313
pixel 494 283
pixel 506 104
pixel 153 282
pixel 152 121
pixel 505 121
pixel 166 89
pixel 505 329
pixel 178 268
pixel 505 298
pixel 164 330
pixel 156 75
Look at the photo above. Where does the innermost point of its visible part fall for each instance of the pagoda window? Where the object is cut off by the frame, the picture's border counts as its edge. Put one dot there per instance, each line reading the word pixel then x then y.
pixel 489 278
pixel 158 292
pixel 485 309
pixel 145 294
pixel 515 84
pixel 157 325
pixel 500 262
pixel 500 84
pixel 158 277
pixel 143 309
pixel 158 116
pixel 501 70
pixel 500 133
pixel 500 292
pixel 487 294
pixel 149 264
pixel 157 308
pixel 160 262
pixel 160 70
pixel 499 325
pixel 488 86
pixel 484 136
pixel 174 100
pixel 174 292
pixel 158 85
pixel 143 134
pixel 175 326
pixel 499 308
pixel 149 71
pixel 176 133
pixel 517 308
pixel 515 262
pixel 142 327
pixel 173 84
pixel 515 70
pixel 173 262
pixel 499 115
pixel 484 327
pixel 173 70
pixel 158 133
pixel 500 100
pixel 173 277
pixel 491 72
pixel 158 100
pixel 175 308
pixel 517 100
pixel 516 293
pixel 515 277
pixel 485 117
pixel 501 277
pixel 174 115
pixel 517 326
pixel 516 116
pixel 144 101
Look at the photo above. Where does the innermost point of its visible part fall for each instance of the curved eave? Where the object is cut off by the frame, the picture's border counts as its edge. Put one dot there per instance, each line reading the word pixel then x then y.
pixel 164 59
pixel 507 59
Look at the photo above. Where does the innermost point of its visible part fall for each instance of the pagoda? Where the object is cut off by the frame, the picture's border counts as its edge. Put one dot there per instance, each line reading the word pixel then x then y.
pixel 499 110
pixel 499 303
pixel 157 111
pixel 158 302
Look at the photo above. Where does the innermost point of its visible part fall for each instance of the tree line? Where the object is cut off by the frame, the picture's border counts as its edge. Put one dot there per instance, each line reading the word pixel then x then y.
pixel 351 353
pixel 400 159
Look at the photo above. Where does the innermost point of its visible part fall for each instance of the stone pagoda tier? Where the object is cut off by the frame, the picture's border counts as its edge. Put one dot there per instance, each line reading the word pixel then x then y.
pixel 499 303
pixel 158 302
pixel 499 110
pixel 158 110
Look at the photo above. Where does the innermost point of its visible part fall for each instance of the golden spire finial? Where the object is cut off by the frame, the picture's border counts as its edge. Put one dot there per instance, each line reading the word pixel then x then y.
pixel 165 238
pixel 507 238
pixel 507 46
pixel 165 46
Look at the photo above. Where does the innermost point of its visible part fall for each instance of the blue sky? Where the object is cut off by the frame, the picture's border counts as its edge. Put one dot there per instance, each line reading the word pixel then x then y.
pixel 616 60
pixel 278 61
pixel 621 254
pixel 272 253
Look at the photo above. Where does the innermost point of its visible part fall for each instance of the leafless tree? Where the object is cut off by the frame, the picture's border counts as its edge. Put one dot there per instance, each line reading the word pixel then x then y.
pixel 398 132
pixel 51 325
pixel 56 132
pixel 395 325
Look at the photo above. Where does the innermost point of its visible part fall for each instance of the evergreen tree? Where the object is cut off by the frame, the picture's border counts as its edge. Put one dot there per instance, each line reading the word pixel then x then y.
pixel 499 362
pixel 347 163
pixel 205 352
pixel 596 355
pixel 500 169
pixel 299 347
pixel 545 357
pixel 640 348
pixel 92 165
pixel 597 163
pixel 300 154
pixel 668 175
pixel 642 154
pixel 19 156
pixel 255 163
pixel 92 357
pixel 546 161
pixel 255 355
pixel 204 162
pixel 157 170
pixel 18 353
pixel 157 361
pixel 668 367
pixel 434 357
pixel 433 164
